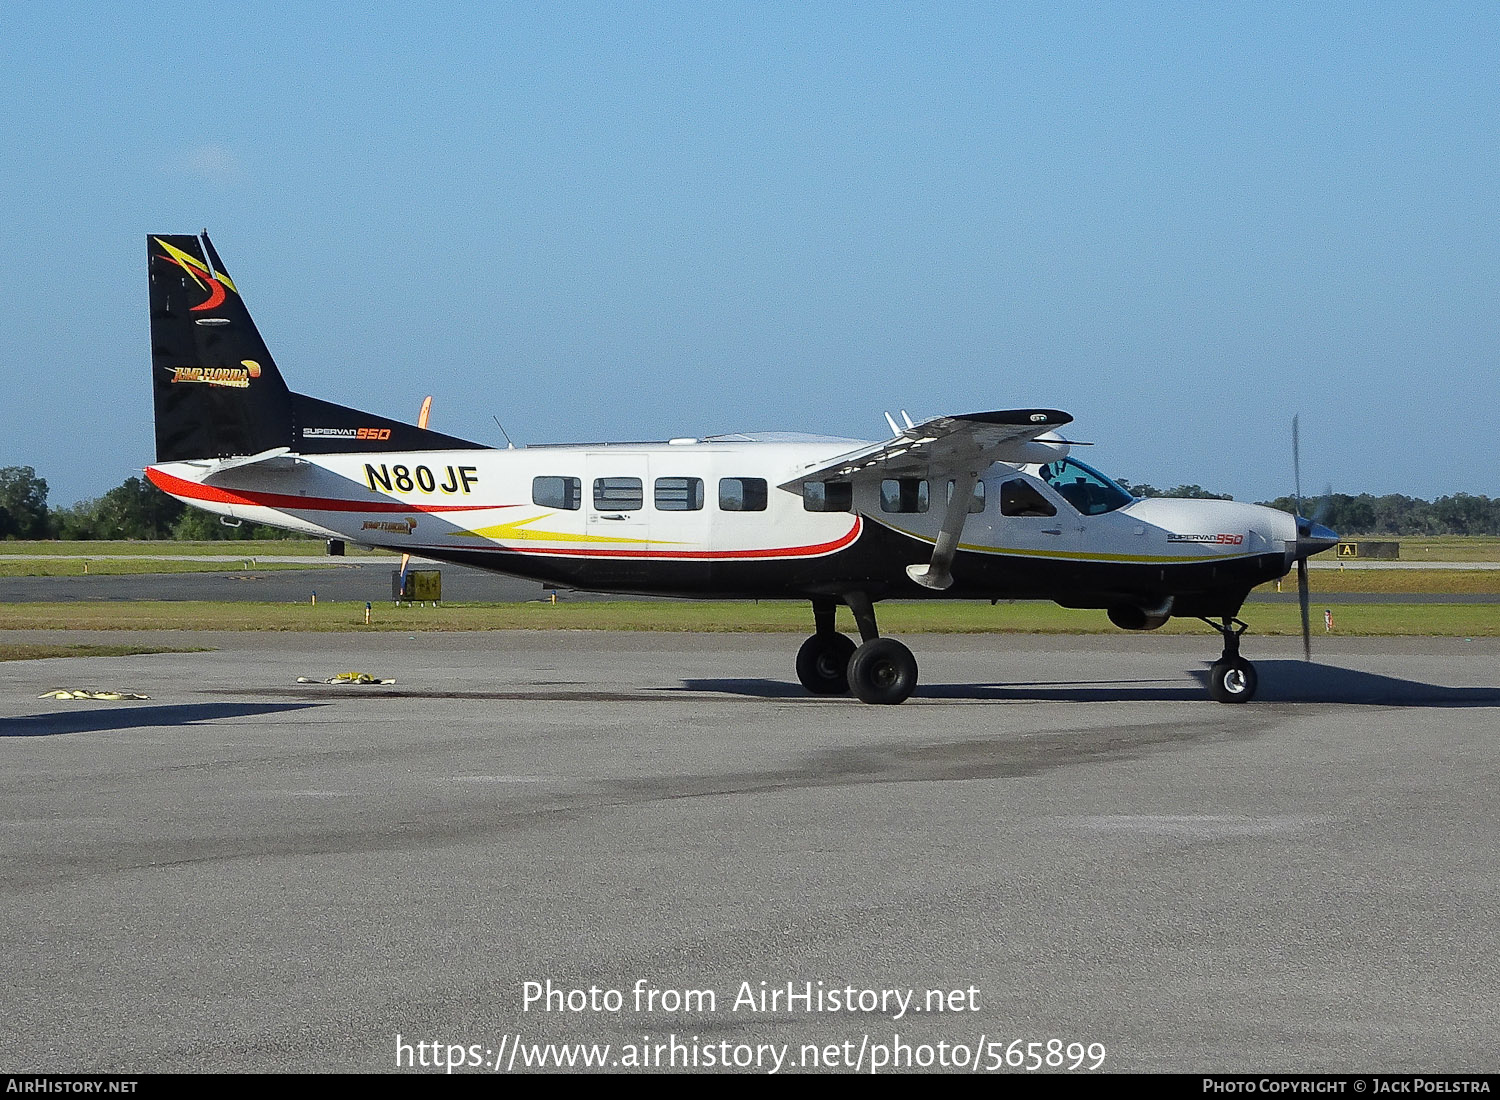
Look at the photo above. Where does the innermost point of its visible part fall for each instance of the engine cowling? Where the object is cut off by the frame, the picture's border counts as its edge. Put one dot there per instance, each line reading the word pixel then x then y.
pixel 1130 617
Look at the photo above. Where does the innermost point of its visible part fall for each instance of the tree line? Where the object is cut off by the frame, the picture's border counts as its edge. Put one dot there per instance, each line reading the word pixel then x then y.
pixel 139 510
pixel 1394 514
pixel 135 509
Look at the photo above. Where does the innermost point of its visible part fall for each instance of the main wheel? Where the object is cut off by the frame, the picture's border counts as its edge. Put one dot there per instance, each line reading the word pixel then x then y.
pixel 823 664
pixel 1232 681
pixel 883 671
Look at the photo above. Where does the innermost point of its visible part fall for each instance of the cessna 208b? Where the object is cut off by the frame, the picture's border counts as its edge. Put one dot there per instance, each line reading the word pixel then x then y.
pixel 981 506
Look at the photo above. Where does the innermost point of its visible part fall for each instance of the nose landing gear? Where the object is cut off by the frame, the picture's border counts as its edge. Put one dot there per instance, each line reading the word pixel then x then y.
pixel 1231 679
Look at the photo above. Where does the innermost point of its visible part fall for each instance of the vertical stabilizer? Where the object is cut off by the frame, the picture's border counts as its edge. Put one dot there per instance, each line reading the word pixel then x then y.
pixel 215 386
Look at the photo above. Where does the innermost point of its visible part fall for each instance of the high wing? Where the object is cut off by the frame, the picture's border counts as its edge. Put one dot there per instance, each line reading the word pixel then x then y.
pixel 947 446
pixel 959 448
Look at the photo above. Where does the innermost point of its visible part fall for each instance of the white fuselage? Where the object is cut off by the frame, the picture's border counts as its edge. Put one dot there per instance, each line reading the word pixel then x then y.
pixel 622 516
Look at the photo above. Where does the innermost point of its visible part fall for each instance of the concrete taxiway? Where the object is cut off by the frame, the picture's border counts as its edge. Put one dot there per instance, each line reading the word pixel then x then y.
pixel 244 873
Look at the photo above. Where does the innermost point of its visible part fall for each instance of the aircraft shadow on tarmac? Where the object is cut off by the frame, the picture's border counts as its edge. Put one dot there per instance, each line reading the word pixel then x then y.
pixel 111 719
pixel 1280 682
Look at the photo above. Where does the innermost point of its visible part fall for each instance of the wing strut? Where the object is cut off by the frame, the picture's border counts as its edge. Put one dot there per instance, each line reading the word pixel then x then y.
pixel 938 572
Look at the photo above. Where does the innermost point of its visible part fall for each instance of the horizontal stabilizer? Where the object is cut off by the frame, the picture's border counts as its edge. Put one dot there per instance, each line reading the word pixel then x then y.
pixel 277 458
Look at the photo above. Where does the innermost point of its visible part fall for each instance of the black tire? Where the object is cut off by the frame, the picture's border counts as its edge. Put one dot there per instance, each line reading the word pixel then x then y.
pixel 823 664
pixel 1232 681
pixel 883 671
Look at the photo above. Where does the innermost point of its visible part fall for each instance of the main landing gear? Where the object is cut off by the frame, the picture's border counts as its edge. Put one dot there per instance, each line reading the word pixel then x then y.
pixel 1231 679
pixel 881 670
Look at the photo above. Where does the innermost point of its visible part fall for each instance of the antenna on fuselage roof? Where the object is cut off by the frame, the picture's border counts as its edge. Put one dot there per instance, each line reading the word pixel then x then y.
pixel 508 444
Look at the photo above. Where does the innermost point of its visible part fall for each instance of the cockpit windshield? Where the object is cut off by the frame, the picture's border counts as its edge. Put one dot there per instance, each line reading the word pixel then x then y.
pixel 1084 487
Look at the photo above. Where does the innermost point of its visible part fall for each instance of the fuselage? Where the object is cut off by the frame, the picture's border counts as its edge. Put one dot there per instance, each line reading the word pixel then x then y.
pixel 976 505
pixel 707 518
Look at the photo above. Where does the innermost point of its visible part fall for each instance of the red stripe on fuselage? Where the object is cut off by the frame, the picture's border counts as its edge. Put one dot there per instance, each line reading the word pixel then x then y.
pixel 211 494
pixel 672 555
pixel 180 487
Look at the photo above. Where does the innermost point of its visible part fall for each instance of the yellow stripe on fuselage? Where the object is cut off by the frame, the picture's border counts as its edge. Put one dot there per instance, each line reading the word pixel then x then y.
pixel 517 531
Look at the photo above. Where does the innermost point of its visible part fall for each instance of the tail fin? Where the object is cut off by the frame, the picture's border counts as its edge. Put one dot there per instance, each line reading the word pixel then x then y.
pixel 216 389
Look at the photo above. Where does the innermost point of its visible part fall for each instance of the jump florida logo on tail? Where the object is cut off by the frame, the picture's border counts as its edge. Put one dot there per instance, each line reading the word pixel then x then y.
pixel 237 378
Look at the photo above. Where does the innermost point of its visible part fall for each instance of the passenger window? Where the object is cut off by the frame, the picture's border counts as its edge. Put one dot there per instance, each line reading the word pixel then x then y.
pixel 1018 498
pixel 679 494
pixel 742 494
pixel 828 496
pixel 976 504
pixel 618 494
pixel 557 492
pixel 905 494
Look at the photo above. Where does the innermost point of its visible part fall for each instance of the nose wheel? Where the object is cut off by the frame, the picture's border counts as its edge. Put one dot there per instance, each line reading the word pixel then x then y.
pixel 1231 679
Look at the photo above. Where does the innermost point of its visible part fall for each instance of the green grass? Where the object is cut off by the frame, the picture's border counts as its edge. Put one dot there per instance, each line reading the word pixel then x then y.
pixel 1387 581
pixel 792 617
pixel 27 651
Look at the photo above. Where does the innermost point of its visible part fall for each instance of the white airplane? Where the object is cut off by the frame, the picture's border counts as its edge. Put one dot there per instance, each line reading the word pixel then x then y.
pixel 981 506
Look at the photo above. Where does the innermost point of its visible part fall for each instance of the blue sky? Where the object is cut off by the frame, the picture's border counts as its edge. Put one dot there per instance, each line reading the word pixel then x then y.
pixel 1183 223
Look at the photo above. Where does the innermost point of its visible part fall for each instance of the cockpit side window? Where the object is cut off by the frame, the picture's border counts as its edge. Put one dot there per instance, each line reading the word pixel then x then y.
pixel 1085 488
pixel 1020 498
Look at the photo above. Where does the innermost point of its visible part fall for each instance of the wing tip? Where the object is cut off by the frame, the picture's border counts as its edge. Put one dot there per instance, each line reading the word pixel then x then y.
pixel 1041 418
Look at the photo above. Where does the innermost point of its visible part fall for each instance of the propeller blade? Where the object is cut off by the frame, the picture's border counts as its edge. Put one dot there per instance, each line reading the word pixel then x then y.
pixel 1303 598
pixel 1297 465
